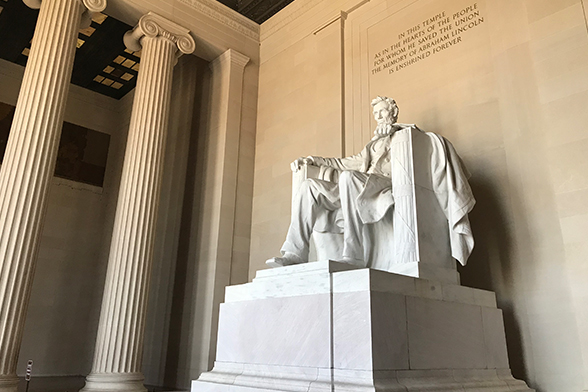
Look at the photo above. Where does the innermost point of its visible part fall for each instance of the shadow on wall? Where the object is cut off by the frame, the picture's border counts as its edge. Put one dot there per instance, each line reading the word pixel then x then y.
pixel 491 264
pixel 181 325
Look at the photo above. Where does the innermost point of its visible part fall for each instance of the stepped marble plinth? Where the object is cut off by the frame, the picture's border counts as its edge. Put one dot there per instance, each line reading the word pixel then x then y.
pixel 327 326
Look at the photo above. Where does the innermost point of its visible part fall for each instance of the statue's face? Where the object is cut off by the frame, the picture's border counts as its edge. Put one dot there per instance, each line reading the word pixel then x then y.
pixel 382 113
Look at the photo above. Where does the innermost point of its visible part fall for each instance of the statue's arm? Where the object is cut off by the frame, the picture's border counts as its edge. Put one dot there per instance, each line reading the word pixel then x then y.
pixel 309 160
pixel 354 162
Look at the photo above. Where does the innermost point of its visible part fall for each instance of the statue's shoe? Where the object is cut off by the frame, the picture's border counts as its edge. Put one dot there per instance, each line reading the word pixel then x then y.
pixel 356 262
pixel 287 259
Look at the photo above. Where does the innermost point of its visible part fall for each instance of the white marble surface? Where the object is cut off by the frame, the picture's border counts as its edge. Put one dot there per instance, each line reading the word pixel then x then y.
pixel 229 377
pixel 445 335
pixel 496 354
pixel 324 276
pixel 292 331
pixel 248 377
pixel 468 295
pixel 423 269
pixel 352 347
pixel 296 280
pixel 357 330
pixel 389 331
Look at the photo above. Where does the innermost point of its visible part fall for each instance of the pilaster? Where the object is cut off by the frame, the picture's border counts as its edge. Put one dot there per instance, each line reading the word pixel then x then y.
pixel 220 187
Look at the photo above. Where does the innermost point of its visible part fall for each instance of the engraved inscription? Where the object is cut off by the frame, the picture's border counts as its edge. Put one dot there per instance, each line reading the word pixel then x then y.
pixel 431 36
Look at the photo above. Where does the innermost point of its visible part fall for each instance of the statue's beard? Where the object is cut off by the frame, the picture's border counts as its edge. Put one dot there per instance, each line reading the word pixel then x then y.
pixel 384 128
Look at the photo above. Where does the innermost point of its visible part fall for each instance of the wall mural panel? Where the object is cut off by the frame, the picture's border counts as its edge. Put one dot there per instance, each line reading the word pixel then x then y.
pixel 82 152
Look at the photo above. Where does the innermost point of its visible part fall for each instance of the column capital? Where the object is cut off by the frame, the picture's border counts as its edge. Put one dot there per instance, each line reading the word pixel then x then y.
pixel 232 56
pixel 91 5
pixel 153 25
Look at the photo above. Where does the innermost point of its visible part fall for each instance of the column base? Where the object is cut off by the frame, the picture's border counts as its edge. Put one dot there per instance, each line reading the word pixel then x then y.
pixel 115 382
pixel 8 383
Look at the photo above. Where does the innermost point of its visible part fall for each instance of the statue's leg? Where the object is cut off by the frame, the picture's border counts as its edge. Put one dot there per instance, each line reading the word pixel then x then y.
pixel 313 197
pixel 351 183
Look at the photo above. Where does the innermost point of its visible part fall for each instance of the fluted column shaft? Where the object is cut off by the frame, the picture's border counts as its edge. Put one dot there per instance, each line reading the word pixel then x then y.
pixel 119 345
pixel 28 166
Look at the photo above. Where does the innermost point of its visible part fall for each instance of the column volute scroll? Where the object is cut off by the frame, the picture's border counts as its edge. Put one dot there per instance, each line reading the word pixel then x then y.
pixel 90 7
pixel 152 25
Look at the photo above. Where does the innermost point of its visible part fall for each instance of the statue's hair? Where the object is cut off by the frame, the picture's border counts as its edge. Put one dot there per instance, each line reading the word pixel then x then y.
pixel 392 107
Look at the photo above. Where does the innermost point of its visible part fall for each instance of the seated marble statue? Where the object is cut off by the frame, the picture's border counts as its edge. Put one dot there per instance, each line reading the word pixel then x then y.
pixel 364 194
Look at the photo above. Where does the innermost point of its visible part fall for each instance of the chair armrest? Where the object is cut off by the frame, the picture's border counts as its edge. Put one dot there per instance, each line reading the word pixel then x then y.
pixel 325 173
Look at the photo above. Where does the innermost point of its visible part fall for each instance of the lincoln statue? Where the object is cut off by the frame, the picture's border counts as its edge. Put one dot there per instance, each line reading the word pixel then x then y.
pixel 364 194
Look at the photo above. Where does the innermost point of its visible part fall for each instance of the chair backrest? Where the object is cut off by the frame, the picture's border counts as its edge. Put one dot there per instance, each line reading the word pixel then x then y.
pixel 421 230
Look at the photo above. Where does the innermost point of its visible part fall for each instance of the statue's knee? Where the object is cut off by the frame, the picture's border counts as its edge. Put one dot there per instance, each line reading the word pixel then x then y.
pixel 306 186
pixel 347 176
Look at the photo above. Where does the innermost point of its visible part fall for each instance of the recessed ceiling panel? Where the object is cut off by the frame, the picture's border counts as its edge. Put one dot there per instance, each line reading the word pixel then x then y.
pixel 100 48
pixel 102 63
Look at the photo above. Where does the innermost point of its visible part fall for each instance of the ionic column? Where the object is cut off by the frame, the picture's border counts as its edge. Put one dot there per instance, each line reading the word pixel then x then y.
pixel 29 161
pixel 119 345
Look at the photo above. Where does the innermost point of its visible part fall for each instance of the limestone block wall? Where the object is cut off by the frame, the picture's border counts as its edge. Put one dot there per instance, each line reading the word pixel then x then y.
pixel 508 85
pixel 65 301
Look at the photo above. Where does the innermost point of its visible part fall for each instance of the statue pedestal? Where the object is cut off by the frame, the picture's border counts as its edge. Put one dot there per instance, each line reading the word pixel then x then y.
pixel 326 326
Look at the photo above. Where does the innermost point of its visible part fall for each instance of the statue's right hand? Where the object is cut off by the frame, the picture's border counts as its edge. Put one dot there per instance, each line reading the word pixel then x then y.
pixel 302 161
pixel 297 164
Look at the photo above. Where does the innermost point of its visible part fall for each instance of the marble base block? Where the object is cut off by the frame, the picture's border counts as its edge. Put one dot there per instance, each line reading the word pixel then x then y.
pixel 426 271
pixel 327 326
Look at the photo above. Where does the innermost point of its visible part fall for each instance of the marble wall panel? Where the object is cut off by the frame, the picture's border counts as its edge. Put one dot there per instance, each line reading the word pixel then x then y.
pixel 389 331
pixel 496 355
pixel 257 343
pixel 352 331
pixel 429 346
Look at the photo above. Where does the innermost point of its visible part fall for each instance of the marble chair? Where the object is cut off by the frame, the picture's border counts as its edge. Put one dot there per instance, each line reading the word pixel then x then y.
pixel 413 238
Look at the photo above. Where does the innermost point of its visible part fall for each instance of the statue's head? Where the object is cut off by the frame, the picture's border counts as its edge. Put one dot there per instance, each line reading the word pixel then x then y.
pixel 385 110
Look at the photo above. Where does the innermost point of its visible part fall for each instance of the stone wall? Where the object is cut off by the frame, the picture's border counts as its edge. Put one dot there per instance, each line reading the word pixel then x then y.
pixel 508 85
